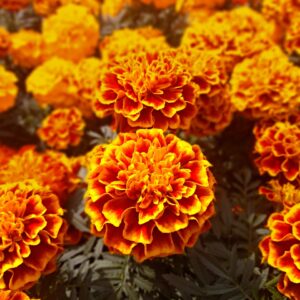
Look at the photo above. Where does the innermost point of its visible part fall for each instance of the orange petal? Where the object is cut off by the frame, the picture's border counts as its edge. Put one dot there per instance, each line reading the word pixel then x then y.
pixel 169 222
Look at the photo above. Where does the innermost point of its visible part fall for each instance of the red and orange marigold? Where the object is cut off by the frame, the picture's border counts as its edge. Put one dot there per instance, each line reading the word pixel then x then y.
pixel 266 86
pixel 281 249
pixel 278 151
pixel 50 169
pixel 288 288
pixel 31 234
pixel 62 128
pixel 149 89
pixel 149 195
pixel 14 295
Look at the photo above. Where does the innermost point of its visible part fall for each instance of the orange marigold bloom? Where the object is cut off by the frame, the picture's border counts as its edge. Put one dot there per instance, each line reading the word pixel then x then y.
pixel 279 151
pixel 192 5
pixel 14 5
pixel 281 249
pixel 50 169
pixel 150 89
pixel 5 42
pixel 71 33
pixel 150 195
pixel 287 194
pixel 233 35
pixel 27 48
pixel 5 154
pixel 8 89
pixel 288 288
pixel 266 86
pixel 126 41
pixel 62 128
pixel 14 295
pixel 53 83
pixel 113 8
pixel 31 234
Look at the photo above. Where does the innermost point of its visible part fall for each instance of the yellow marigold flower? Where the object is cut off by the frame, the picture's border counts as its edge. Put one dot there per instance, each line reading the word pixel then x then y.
pixel 14 5
pixel 150 195
pixel 113 8
pixel 266 86
pixel 31 234
pixel 71 33
pixel 62 128
pixel 126 41
pixel 150 89
pixel 292 36
pixel 14 295
pixel 288 288
pixel 160 4
pixel 8 89
pixel 53 83
pixel 52 170
pixel 192 5
pixel 27 48
pixel 279 151
pixel 87 74
pixel 5 42
pixel 281 249
pixel 234 35
pixel 287 194
pixel 5 154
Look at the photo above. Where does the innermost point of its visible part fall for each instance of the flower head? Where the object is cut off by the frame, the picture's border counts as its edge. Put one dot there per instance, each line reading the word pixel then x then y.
pixel 278 151
pixel 281 249
pixel 8 89
pixel 71 33
pixel 150 89
pixel 31 234
pixel 266 86
pixel 62 128
pixel 150 195
pixel 27 48
pixel 52 170
pixel 234 35
pixel 14 5
pixel 14 295
pixel 5 42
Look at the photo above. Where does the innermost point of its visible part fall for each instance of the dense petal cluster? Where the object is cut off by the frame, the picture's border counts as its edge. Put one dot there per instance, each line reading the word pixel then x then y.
pixel 62 128
pixel 266 86
pixel 31 234
pixel 234 35
pixel 137 96
pixel 14 295
pixel 279 151
pixel 50 169
pixel 281 249
pixel 288 288
pixel 5 42
pixel 27 48
pixel 8 89
pixel 292 37
pixel 53 83
pixel 150 195
pixel 71 33
pixel 14 5
pixel 5 154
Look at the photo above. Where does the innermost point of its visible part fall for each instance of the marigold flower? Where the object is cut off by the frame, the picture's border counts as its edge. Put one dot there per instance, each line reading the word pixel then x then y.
pixel 288 288
pixel 287 194
pixel 233 35
pixel 31 234
pixel 50 169
pixel 279 151
pixel 53 83
pixel 5 154
pixel 62 128
pixel 281 248
pixel 27 48
pixel 14 5
pixel 113 8
pixel 14 295
pixel 149 195
pixel 292 36
pixel 151 89
pixel 8 89
pixel 126 41
pixel 71 33
pixel 5 42
pixel 266 86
